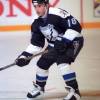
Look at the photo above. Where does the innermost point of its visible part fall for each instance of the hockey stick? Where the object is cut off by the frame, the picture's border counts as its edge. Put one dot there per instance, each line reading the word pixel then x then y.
pixel 13 64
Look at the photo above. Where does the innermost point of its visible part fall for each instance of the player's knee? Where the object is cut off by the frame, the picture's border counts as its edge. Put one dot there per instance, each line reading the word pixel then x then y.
pixel 42 72
pixel 43 65
pixel 65 69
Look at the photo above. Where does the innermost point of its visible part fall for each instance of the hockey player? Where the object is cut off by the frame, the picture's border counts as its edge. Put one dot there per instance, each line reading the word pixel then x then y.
pixel 63 33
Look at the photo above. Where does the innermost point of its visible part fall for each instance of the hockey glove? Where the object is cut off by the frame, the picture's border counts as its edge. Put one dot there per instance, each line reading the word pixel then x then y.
pixel 61 45
pixel 23 59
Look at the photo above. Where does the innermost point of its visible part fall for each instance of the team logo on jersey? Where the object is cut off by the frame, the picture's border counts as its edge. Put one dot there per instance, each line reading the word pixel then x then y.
pixel 49 32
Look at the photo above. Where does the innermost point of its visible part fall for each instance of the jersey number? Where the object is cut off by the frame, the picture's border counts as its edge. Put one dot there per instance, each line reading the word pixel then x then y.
pixel 71 22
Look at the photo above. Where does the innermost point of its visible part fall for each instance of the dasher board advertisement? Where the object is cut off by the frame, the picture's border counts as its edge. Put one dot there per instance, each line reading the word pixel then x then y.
pixel 96 8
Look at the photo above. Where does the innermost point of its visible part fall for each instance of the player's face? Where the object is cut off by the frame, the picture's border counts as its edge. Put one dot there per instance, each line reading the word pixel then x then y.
pixel 40 9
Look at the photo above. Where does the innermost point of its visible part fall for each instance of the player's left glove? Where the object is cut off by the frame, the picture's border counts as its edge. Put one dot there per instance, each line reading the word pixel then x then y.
pixel 61 45
pixel 23 59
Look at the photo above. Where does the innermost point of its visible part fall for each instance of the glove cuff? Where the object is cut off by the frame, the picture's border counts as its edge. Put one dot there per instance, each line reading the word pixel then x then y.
pixel 26 54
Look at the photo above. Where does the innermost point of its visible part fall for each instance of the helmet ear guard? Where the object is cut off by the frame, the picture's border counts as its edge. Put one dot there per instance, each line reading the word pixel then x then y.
pixel 40 1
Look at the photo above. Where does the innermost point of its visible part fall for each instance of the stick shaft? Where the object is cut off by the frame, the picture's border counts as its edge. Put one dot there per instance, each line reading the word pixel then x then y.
pixel 13 64
pixel 8 66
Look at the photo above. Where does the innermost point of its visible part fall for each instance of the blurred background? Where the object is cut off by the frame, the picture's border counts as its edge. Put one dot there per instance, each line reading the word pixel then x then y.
pixel 16 17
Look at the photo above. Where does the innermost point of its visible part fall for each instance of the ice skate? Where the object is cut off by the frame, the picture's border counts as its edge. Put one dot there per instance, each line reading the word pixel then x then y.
pixel 36 93
pixel 72 95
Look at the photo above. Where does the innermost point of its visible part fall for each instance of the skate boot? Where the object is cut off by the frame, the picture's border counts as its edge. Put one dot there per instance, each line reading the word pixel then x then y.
pixel 72 94
pixel 36 93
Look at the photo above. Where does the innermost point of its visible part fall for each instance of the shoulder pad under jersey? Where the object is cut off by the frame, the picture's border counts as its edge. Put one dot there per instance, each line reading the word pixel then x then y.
pixel 59 12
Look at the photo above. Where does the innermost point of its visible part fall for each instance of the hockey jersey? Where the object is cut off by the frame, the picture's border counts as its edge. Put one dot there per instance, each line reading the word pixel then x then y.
pixel 57 23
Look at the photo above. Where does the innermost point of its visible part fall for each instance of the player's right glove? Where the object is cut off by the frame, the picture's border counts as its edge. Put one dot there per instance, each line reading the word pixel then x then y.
pixel 23 59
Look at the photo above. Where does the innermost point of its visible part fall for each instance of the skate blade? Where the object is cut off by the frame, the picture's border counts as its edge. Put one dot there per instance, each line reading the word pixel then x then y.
pixel 38 98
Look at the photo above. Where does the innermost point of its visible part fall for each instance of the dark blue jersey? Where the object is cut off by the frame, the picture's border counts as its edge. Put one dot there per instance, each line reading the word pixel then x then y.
pixel 55 24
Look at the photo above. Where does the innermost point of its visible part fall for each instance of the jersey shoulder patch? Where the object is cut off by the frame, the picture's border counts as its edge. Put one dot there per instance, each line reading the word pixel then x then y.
pixel 59 12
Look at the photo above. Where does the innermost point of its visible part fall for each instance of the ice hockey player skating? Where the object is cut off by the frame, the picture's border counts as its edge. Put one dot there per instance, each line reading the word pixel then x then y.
pixel 63 33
